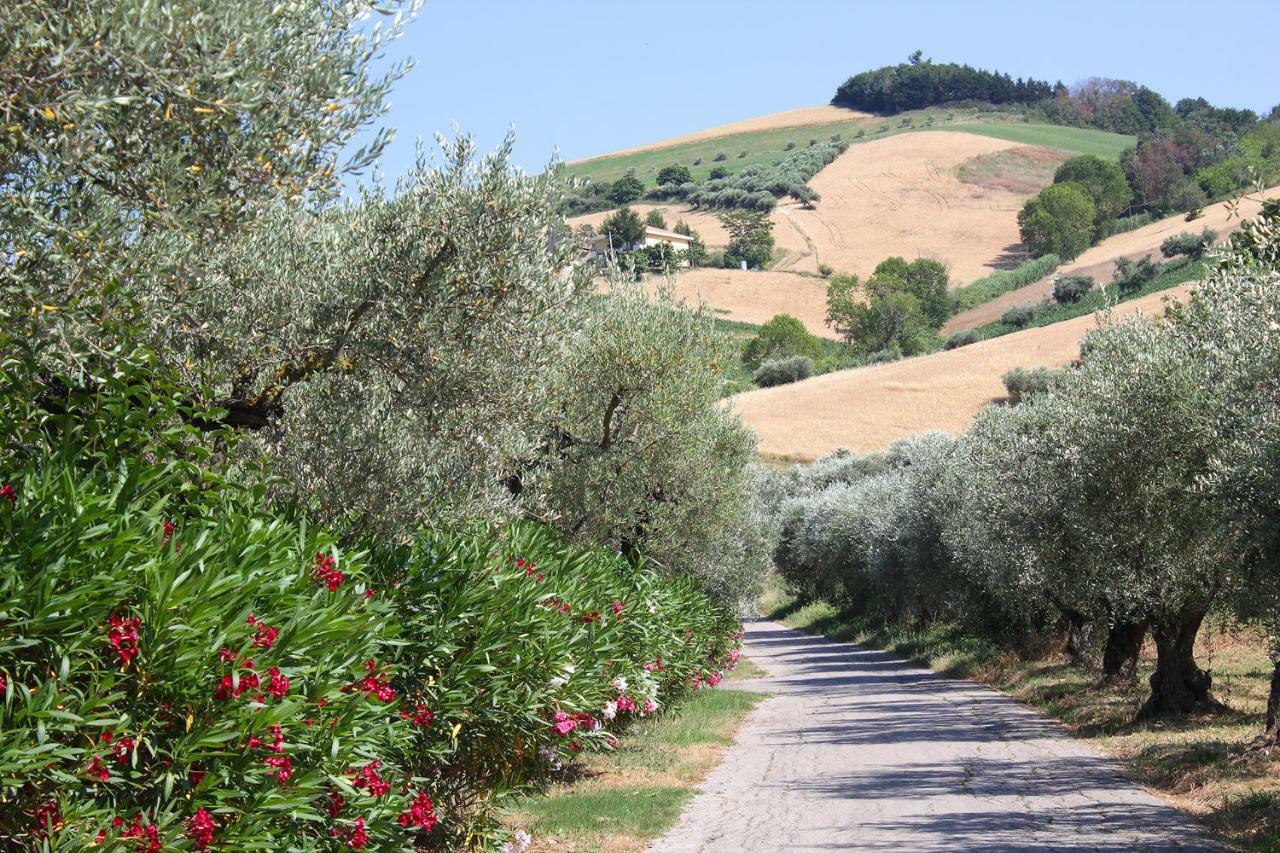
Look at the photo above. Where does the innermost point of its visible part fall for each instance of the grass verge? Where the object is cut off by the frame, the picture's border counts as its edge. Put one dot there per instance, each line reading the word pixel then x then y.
pixel 617 802
pixel 1197 763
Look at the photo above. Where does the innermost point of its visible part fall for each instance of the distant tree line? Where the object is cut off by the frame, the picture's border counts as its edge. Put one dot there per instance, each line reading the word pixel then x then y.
pixel 922 83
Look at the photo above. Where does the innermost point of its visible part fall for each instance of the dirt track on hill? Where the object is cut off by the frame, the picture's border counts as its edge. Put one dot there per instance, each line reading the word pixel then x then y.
pixel 869 407
pixel 859 750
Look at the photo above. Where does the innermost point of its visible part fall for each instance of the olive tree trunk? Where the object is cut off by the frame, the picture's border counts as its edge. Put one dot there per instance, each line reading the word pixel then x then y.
pixel 1271 735
pixel 1178 686
pixel 1120 655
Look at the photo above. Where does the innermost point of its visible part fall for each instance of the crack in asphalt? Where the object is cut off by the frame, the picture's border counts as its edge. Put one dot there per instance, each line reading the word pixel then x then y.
pixel 858 750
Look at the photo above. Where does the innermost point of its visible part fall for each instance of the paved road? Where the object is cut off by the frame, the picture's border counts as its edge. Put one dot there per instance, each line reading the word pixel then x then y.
pixel 858 750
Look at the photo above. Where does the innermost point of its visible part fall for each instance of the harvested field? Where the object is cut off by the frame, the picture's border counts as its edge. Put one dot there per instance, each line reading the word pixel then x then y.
pixel 1100 260
pixel 802 117
pixel 755 297
pixel 901 196
pixel 867 408
pixel 896 196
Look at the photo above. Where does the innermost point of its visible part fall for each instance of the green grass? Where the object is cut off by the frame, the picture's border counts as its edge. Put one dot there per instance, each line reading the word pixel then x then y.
pixel 617 801
pixel 1176 273
pixel 766 147
pixel 1073 140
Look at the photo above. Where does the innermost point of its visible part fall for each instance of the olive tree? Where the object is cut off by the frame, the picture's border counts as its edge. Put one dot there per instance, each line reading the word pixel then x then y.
pixel 1139 434
pixel 1231 324
pixel 137 134
pixel 639 455
pixel 386 354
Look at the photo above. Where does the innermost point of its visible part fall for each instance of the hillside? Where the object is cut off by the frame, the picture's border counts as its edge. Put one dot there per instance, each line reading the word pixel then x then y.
pixel 764 140
pixel 866 408
pixel 1099 261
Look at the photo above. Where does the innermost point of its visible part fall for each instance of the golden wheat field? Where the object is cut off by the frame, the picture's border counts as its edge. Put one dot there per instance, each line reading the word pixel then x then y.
pixel 867 408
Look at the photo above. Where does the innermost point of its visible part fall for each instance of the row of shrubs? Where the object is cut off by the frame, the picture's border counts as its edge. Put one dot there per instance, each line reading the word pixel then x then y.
pixel 184 667
pixel 758 187
pixel 1001 282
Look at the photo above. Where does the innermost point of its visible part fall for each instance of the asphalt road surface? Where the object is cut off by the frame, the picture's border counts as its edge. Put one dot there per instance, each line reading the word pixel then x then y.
pixel 858 750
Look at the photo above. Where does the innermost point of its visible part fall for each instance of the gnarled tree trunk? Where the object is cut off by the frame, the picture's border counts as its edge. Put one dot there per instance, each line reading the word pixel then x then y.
pixel 1178 686
pixel 1271 736
pixel 1079 634
pixel 1120 656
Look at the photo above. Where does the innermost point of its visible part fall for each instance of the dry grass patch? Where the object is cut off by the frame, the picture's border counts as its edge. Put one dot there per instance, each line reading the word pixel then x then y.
pixel 1024 170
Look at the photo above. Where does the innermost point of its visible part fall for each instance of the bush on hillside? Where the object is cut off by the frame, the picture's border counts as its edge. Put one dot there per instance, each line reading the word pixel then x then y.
pixel 1021 382
pixel 781 337
pixel 1190 245
pixel 962 338
pixel 1132 274
pixel 716 173
pixel 783 371
pixel 625 190
pixel 674 174
pixel 1002 281
pixel 1069 289
pixel 624 227
pixel 1060 220
pixel 1020 316
pixel 750 238
pixel 655 218
pixel 1104 182
pixel 720 157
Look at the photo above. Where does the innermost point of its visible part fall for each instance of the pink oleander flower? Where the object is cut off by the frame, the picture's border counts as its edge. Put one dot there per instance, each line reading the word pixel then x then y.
pixel 202 827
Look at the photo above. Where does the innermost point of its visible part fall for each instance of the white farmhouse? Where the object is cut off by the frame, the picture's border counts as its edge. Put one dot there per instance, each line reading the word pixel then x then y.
pixel 652 237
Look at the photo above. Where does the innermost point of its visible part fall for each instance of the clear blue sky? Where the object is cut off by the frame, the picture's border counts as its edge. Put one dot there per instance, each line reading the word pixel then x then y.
pixel 592 77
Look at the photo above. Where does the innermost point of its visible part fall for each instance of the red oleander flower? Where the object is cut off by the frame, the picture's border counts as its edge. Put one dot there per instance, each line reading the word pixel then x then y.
pixel 4 683
pixel 253 743
pixel 368 594
pixel 626 703
pixel 421 717
pixel 359 838
pixel 277 739
pixel 48 815
pixel 10 494
pixel 374 684
pixel 168 532
pixel 266 635
pixel 278 685
pixel 617 609
pixel 591 616
pixel 123 637
pixel 150 834
pixel 326 572
pixel 202 827
pixel 368 777
pixel 282 765
pixel 123 747
pixel 565 609
pixel 98 770
pixel 335 804
pixel 421 813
